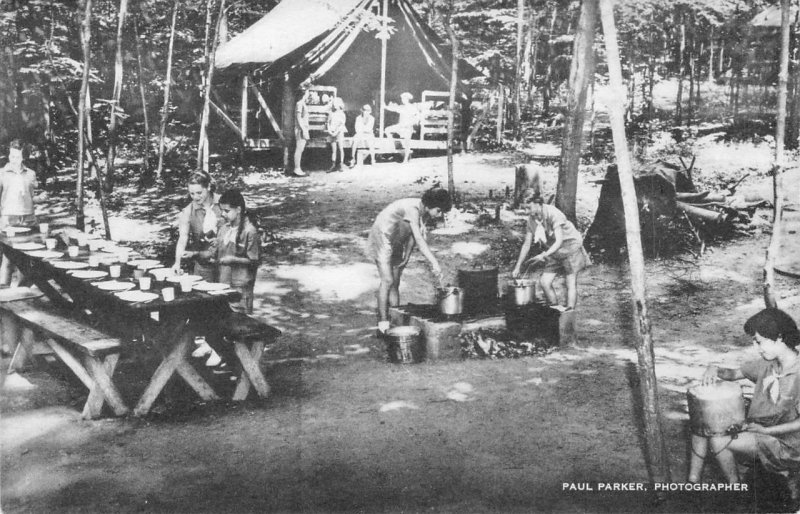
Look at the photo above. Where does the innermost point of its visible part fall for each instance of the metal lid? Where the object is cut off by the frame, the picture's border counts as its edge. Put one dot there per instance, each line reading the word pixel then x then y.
pixel 404 331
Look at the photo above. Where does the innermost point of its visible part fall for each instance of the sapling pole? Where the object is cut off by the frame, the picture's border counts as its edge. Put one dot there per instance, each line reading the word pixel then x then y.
pixel 658 465
pixel 451 183
pixel 202 147
pixel 117 93
pixel 777 170
pixel 167 85
pixel 86 36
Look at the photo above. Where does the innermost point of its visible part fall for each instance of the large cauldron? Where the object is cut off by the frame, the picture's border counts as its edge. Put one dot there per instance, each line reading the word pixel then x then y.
pixel 480 288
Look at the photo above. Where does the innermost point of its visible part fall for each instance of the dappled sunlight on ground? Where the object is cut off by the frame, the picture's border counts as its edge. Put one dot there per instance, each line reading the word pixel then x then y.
pixel 316 234
pixel 19 429
pixel 468 249
pixel 332 283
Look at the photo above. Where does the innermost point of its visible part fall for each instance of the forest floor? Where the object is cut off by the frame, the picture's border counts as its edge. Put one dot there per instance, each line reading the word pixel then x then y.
pixel 343 430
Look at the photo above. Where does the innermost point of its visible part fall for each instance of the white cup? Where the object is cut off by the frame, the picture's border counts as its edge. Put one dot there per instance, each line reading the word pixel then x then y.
pixel 123 256
pixel 50 243
pixel 10 232
pixel 186 285
pixel 168 293
pixel 114 270
pixel 44 229
pixel 73 250
pixel 144 283
pixel 83 239
pixel 138 273
pixel 94 261
pixel 95 244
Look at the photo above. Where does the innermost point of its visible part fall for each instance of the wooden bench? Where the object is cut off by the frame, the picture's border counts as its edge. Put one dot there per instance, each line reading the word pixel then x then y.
pixel 89 353
pixel 249 337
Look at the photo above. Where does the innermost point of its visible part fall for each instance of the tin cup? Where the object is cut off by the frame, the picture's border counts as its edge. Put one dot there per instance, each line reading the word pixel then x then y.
pixel 186 285
pixel 123 256
pixel 144 283
pixel 168 293
pixel 94 261
pixel 138 273
pixel 115 270
pixel 73 251
pixel 83 239
pixel 44 229
pixel 50 243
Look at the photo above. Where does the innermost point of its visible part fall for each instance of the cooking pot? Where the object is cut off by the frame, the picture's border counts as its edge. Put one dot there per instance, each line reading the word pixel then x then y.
pixel 451 300
pixel 524 291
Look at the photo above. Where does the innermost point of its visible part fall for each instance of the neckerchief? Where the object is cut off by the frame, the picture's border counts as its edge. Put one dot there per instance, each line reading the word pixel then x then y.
pixel 539 233
pixel 772 385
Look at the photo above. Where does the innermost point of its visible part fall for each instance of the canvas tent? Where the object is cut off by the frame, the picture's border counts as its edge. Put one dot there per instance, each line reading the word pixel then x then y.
pixel 340 48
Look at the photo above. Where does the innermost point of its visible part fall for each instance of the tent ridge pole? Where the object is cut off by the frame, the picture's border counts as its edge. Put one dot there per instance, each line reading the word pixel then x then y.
pixel 384 43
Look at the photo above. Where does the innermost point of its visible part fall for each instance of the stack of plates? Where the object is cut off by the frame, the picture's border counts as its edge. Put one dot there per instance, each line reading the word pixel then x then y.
pixel 28 246
pixel 46 254
pixel 113 285
pixel 137 296
pixel 69 264
pixel 88 273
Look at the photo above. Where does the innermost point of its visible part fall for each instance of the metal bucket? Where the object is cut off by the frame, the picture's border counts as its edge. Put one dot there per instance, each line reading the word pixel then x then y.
pixel 404 344
pixel 716 409
pixel 479 287
pixel 523 291
pixel 451 300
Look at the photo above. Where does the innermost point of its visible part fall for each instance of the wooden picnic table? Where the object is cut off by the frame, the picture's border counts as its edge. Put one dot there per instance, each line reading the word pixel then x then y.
pixel 170 325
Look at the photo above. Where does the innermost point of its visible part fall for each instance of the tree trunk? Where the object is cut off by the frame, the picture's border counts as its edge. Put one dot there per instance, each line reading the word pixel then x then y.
pixel 143 95
pixel 500 112
pixel 523 180
pixel 202 147
pixel 451 108
pixel 581 74
pixel 167 85
pixel 681 51
pixel 118 71
pixel 529 56
pixel 518 69
pixel 711 58
pixel 86 36
pixel 690 107
pixel 777 170
pixel 547 91
pixel 658 465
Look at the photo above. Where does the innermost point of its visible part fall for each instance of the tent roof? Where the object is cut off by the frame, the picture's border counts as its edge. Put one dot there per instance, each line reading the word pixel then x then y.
pixel 287 27
pixel 771 17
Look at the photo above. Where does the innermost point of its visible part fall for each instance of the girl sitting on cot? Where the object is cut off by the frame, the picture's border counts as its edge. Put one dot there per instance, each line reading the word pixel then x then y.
pixel 771 433
pixel 237 249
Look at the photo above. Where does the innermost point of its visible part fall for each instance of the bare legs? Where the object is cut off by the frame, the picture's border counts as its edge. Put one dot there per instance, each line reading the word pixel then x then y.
pixel 546 282
pixel 724 449
pixel 389 290
pixel 298 155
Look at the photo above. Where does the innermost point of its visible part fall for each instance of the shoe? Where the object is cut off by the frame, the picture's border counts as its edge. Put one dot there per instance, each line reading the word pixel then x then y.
pixel 214 360
pixel 202 350
pixel 299 173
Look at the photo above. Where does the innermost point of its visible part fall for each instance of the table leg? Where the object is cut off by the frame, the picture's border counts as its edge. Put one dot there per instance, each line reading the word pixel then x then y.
pixel 103 389
pixel 175 361
pixel 251 371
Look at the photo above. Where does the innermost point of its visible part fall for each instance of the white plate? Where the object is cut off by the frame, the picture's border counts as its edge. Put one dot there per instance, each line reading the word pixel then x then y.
pixel 18 230
pixel 210 286
pixel 113 285
pixel 46 254
pixel 222 291
pixel 178 278
pixel 88 273
pixel 28 246
pixel 69 264
pixel 137 296
pixel 145 263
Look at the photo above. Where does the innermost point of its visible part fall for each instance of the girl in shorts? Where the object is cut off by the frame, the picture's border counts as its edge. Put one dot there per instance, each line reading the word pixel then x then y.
pixel 561 249
pixel 771 434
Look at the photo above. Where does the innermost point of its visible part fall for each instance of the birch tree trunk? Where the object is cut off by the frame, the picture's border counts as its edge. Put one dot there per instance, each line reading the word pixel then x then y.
pixel 518 69
pixel 202 147
pixel 167 85
pixel 581 74
pixel 451 109
pixel 681 64
pixel 118 71
pixel 658 466
pixel 86 36
pixel 777 169
pixel 143 96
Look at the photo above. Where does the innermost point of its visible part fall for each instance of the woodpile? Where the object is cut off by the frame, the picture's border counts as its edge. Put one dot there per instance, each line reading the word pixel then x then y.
pixel 674 215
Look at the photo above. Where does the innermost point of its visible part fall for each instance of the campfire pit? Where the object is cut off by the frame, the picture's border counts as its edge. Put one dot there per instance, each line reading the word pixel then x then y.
pixel 442 334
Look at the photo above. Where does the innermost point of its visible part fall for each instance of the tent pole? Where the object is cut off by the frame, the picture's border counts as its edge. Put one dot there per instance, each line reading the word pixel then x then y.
pixel 244 110
pixel 384 43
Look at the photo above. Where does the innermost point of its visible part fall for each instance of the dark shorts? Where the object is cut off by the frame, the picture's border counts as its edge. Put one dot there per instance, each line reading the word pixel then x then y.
pixel 569 259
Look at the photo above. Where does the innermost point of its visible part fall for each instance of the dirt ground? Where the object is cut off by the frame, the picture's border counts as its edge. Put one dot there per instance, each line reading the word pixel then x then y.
pixel 346 431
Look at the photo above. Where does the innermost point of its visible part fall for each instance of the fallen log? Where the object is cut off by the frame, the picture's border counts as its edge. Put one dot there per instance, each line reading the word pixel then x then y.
pixel 700 214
